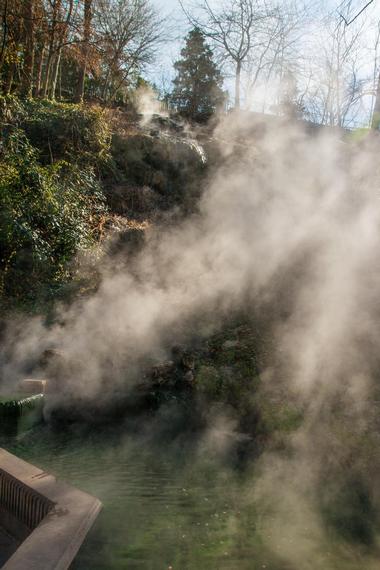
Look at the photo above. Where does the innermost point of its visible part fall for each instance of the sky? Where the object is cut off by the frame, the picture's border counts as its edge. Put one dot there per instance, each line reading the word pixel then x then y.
pixel 161 73
pixel 167 4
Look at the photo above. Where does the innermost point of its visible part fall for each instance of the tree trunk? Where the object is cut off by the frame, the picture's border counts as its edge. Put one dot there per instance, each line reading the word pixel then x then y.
pixel 5 33
pixel 9 79
pixel 237 85
pixel 28 20
pixel 39 64
pixel 52 46
pixel 105 86
pixel 54 77
pixel 46 81
pixel 60 83
pixel 375 122
pixel 79 94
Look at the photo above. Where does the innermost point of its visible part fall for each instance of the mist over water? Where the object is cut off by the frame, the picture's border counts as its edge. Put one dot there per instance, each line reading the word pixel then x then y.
pixel 288 228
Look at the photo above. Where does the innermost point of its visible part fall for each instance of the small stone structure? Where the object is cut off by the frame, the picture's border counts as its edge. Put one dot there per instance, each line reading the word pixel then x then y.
pixel 20 413
pixel 32 386
pixel 22 409
pixel 43 522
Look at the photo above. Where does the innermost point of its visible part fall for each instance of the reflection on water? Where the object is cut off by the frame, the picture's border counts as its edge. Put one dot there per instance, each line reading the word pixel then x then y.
pixel 174 505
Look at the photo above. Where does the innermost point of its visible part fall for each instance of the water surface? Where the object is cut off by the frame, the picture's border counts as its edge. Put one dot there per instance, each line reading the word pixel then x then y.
pixel 181 504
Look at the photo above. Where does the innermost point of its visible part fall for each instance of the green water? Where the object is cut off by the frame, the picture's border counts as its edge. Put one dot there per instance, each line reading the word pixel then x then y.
pixel 163 504
pixel 180 503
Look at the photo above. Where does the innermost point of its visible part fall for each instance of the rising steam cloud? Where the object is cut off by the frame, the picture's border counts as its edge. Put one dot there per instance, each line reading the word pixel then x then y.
pixel 290 219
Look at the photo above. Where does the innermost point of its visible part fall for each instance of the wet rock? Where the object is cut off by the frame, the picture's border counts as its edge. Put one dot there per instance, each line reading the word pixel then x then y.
pixel 167 124
pixel 163 373
pixel 230 344
pixel 189 377
pixel 188 361
pixel 170 165
pixel 128 199
pixel 177 352
pixel 128 241
pixel 183 358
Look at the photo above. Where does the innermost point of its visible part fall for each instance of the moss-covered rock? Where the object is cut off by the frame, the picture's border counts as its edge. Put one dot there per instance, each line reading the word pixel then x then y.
pixel 166 170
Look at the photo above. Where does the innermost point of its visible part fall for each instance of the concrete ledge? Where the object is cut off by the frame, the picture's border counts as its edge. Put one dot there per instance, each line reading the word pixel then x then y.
pixel 32 386
pixel 20 413
pixel 56 517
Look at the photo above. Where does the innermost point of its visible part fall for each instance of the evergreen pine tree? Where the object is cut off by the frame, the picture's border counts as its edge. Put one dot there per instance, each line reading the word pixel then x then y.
pixel 198 86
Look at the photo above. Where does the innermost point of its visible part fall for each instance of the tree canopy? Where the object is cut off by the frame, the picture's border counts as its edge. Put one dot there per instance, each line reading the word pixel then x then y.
pixel 198 85
pixel 58 49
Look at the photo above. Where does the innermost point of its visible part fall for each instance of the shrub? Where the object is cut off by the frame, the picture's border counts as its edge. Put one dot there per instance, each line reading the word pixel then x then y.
pixel 48 212
pixel 59 130
pixel 67 131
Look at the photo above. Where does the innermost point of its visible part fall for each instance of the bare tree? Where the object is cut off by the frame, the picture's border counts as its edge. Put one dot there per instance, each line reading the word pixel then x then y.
pixel 4 30
pixel 87 19
pixel 62 39
pixel 278 54
pixel 375 81
pixel 335 62
pixel 41 40
pixel 128 34
pixel 28 29
pixel 55 6
pixel 236 28
pixel 13 36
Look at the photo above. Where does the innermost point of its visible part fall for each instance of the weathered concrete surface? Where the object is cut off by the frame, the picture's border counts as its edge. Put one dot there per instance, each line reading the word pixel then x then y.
pixel 54 542
pixel 8 546
pixel 32 386
pixel 19 413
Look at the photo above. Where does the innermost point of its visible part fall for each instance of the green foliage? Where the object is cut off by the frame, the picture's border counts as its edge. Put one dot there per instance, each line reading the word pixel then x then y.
pixel 228 373
pixel 12 111
pixel 198 86
pixel 48 211
pixel 209 381
pixel 67 131
pixel 348 509
pixel 279 417
pixel 59 130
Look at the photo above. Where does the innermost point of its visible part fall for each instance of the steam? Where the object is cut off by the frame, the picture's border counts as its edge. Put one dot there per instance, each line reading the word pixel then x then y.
pixel 148 104
pixel 290 220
